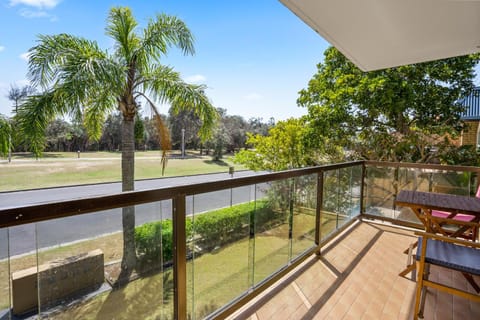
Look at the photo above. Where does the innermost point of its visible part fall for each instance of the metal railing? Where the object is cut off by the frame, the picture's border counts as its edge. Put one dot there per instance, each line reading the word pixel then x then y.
pixel 218 244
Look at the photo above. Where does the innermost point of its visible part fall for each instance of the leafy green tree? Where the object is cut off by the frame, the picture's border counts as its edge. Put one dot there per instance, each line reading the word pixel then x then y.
pixel 5 136
pixel 111 139
pixel 187 120
pixel 80 79
pixel 59 135
pixel 236 128
pixel 283 148
pixel 139 131
pixel 220 140
pixel 257 126
pixel 407 113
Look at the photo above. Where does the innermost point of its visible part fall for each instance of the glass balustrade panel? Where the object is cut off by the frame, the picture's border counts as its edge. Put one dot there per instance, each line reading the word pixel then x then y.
pixel 218 242
pixel 113 264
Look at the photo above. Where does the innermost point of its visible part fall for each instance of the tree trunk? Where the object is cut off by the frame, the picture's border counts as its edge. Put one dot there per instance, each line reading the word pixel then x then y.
pixel 128 213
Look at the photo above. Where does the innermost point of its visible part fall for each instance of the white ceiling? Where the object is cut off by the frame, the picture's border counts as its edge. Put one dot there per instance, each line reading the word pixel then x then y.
pixel 377 34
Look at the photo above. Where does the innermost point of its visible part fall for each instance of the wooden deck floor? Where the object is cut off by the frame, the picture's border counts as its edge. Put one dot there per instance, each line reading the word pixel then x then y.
pixel 357 278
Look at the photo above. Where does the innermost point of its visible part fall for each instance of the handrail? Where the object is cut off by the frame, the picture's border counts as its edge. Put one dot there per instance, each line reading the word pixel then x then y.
pixel 422 166
pixel 59 209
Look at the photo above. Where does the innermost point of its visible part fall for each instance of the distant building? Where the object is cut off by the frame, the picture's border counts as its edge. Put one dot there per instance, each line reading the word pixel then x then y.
pixel 471 116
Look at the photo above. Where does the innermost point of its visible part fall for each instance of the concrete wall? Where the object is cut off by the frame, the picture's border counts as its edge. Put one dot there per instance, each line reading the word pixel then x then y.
pixel 57 279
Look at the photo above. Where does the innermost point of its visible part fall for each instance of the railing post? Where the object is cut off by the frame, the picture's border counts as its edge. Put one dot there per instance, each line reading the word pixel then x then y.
pixel 319 208
pixel 180 258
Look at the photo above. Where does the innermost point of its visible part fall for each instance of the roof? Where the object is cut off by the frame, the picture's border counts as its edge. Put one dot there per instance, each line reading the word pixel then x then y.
pixel 472 103
pixel 377 34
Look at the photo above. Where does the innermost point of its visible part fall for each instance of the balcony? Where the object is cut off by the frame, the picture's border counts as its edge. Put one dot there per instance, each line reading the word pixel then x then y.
pixel 323 242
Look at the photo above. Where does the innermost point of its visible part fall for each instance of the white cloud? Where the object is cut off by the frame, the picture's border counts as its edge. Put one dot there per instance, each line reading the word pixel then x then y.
pixel 197 78
pixel 29 14
pixel 253 96
pixel 2 48
pixel 24 56
pixel 49 4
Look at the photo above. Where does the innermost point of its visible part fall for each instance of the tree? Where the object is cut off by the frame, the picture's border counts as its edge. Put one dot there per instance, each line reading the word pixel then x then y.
pixel 59 135
pixel 283 148
pixel 236 128
pixel 17 94
pixel 111 139
pixel 5 136
pixel 187 120
pixel 220 139
pixel 139 131
pixel 408 113
pixel 82 80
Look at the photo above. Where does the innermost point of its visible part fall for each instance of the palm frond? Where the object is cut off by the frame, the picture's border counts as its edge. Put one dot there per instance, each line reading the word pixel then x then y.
pixel 162 33
pixel 95 113
pixel 33 116
pixel 121 27
pixel 165 85
pixel 163 133
pixel 74 73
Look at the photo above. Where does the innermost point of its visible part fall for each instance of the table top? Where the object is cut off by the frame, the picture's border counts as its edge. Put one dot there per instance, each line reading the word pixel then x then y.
pixel 439 201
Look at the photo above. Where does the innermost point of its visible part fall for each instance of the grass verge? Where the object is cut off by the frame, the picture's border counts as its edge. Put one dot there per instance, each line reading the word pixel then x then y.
pixel 63 169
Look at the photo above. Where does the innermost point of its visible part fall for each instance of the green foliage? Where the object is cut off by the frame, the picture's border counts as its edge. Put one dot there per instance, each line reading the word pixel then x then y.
pixel 397 114
pixel 467 155
pixel 286 146
pixel 81 80
pixel 138 131
pixel 153 240
pixel 5 135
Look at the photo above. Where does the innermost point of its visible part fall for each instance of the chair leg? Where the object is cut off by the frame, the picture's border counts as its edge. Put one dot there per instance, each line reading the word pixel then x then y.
pixel 426 274
pixel 418 295
pixel 411 263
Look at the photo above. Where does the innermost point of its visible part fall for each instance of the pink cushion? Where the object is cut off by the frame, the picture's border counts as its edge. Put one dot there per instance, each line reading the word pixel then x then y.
pixel 460 216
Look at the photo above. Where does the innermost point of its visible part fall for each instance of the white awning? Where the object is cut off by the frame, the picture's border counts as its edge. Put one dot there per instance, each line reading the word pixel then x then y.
pixel 377 34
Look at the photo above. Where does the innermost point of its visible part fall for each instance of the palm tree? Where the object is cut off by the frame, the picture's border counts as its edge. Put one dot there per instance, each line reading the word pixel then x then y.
pixel 81 80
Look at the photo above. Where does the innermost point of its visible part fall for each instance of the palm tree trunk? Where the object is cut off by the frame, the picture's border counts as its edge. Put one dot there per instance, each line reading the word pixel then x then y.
pixel 128 213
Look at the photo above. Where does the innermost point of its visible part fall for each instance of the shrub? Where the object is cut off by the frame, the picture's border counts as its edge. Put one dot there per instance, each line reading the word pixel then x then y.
pixel 213 228
pixel 154 238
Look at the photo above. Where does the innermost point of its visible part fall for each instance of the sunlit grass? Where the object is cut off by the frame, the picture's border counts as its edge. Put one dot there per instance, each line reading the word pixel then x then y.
pixel 65 168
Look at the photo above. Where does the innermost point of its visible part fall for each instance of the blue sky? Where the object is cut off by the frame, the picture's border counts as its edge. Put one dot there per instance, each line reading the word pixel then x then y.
pixel 254 55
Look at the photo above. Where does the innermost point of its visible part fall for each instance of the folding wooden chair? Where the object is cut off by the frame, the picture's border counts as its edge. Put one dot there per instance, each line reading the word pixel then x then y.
pixel 452 253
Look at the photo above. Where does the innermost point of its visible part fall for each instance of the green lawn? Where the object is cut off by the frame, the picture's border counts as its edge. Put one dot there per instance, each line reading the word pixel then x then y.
pixel 65 168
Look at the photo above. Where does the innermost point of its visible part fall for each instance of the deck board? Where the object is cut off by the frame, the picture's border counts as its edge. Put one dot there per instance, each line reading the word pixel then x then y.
pixel 357 278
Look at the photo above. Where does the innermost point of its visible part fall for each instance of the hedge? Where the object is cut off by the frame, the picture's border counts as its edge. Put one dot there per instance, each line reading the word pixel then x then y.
pixel 211 229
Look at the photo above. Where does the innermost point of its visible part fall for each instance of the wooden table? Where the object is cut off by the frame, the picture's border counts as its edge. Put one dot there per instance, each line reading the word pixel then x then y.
pixel 422 204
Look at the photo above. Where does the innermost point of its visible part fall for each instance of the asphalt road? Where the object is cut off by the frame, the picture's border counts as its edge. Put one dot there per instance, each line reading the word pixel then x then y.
pixel 27 238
